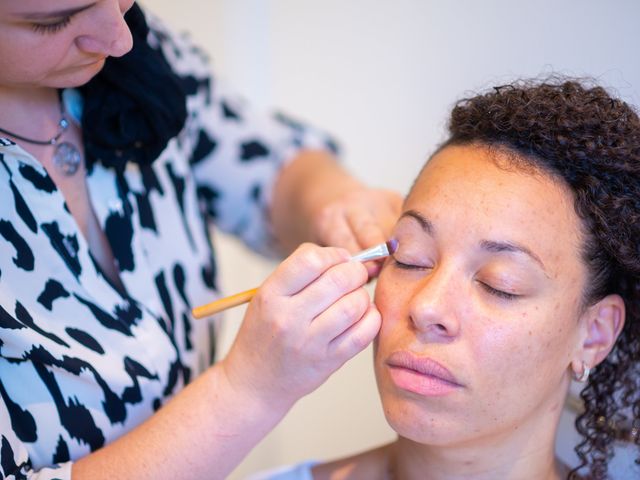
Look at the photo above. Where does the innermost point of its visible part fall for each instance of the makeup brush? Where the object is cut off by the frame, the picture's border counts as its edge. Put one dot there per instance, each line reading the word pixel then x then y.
pixel 374 253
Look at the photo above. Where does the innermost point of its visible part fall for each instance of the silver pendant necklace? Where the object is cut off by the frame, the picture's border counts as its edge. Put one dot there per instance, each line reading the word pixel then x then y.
pixel 66 156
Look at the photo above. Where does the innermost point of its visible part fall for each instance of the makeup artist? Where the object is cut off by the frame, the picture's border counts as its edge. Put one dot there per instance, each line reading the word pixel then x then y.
pixel 118 150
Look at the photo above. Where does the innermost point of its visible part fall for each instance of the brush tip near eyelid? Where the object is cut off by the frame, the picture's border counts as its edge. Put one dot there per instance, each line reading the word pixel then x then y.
pixel 392 246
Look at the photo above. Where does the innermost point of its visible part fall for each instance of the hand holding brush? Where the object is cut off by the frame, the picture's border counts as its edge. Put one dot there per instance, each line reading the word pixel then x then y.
pixel 374 253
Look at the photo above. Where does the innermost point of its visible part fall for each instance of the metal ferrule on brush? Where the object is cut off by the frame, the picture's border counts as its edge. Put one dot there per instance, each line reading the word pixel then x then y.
pixel 373 253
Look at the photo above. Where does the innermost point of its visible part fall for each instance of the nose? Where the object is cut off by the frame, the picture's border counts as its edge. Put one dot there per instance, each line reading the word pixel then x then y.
pixel 111 35
pixel 433 307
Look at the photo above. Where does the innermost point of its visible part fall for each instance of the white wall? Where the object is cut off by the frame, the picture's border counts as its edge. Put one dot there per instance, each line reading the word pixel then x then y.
pixel 382 75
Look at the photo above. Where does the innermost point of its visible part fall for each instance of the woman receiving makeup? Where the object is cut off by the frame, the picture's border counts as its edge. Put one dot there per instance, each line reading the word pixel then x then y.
pixel 118 151
pixel 518 271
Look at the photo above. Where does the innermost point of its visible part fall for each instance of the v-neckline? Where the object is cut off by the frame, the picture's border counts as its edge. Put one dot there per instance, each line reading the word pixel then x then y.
pixel 24 156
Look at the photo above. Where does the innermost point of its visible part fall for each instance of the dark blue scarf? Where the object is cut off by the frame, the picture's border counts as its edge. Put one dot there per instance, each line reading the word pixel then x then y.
pixel 134 106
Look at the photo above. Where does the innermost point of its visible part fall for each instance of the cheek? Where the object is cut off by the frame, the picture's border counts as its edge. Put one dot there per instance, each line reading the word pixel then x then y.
pixel 549 334
pixel 17 56
pixel 391 299
pixel 531 348
pixel 14 68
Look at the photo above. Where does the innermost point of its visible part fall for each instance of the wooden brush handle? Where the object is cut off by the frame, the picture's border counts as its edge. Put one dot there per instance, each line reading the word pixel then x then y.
pixel 373 253
pixel 223 303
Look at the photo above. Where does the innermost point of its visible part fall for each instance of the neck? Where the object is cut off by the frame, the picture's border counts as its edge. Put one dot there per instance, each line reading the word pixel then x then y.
pixel 31 112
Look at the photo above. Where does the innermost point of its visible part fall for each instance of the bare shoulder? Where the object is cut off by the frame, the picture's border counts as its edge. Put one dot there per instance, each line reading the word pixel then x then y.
pixel 370 465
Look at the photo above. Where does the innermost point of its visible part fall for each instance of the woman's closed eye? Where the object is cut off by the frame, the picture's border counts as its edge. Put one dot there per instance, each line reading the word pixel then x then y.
pixel 498 292
pixel 51 27
pixel 411 264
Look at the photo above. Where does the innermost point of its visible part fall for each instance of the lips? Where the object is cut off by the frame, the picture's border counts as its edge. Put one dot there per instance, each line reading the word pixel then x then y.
pixel 97 60
pixel 421 375
pixel 89 63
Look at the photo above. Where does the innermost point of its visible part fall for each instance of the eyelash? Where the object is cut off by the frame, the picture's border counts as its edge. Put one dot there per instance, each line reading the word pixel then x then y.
pixel 493 291
pixel 499 293
pixel 406 266
pixel 51 27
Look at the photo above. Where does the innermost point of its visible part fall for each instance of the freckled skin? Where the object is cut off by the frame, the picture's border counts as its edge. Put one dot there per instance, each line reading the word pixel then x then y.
pixel 512 356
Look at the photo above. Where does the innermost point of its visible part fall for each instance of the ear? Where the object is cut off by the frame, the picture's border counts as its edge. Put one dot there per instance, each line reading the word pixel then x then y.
pixel 602 324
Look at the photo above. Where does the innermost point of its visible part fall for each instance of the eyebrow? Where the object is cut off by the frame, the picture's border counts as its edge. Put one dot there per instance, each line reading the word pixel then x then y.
pixel 488 245
pixel 494 246
pixel 424 223
pixel 54 14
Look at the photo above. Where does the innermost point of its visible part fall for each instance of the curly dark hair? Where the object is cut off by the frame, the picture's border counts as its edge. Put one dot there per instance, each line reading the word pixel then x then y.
pixel 576 131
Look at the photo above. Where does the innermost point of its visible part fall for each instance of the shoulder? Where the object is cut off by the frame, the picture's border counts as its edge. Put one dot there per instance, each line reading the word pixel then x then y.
pixel 185 56
pixel 301 471
pixel 371 464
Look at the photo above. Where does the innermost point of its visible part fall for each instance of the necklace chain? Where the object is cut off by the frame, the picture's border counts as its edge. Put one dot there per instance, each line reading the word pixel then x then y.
pixel 66 156
pixel 63 124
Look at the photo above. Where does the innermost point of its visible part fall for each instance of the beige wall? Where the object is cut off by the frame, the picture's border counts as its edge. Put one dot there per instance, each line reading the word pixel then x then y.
pixel 382 75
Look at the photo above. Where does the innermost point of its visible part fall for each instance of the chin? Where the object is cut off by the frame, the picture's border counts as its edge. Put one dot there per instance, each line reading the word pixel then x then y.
pixel 428 421
pixel 421 426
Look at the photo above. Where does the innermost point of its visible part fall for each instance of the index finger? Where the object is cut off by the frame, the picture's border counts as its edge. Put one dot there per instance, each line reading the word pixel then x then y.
pixel 303 266
pixel 365 228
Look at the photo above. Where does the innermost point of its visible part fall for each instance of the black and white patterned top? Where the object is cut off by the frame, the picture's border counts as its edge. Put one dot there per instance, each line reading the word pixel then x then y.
pixel 80 364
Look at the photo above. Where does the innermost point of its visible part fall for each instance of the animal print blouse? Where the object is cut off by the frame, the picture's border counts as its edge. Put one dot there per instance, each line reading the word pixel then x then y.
pixel 81 364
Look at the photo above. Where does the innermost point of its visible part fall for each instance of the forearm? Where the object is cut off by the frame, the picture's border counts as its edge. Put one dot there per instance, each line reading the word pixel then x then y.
pixel 312 180
pixel 204 432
